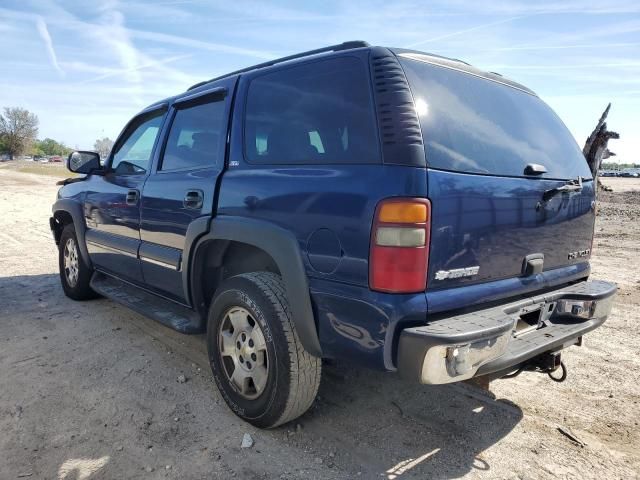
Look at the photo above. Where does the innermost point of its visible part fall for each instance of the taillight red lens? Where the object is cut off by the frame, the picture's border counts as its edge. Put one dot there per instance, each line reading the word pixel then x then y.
pixel 400 245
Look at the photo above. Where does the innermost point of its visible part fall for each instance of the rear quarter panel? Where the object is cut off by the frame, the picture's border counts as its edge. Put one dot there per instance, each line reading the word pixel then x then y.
pixel 329 209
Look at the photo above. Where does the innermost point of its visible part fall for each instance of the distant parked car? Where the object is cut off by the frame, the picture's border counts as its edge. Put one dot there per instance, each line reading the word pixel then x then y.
pixel 28 158
pixel 630 172
pixel 55 158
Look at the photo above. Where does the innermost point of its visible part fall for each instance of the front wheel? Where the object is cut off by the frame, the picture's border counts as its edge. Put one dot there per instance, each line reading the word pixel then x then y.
pixel 259 365
pixel 75 274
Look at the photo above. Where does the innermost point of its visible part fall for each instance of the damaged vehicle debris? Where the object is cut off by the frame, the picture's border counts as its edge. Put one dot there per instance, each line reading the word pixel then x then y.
pixel 596 147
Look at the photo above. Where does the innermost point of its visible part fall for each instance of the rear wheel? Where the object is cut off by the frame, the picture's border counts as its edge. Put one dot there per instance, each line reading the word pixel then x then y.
pixel 259 365
pixel 75 274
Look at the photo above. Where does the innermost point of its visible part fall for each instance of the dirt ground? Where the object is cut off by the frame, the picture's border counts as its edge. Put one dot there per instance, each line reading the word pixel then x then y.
pixel 89 390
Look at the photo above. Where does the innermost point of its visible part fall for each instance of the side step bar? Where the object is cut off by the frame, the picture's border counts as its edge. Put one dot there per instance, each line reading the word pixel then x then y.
pixel 157 308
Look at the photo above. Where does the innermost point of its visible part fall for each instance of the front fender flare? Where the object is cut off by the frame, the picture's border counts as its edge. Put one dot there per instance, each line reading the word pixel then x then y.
pixel 283 247
pixel 74 209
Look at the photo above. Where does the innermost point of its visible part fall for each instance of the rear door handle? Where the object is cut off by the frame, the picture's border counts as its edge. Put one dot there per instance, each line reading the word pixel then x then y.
pixel 132 197
pixel 193 199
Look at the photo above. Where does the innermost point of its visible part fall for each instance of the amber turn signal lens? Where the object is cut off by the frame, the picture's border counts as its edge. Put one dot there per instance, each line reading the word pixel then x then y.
pixel 403 212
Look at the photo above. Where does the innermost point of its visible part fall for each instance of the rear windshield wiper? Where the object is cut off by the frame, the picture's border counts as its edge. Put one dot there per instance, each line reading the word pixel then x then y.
pixel 574 185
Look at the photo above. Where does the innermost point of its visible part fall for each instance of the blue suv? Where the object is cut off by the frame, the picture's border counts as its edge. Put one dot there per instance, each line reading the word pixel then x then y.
pixel 385 207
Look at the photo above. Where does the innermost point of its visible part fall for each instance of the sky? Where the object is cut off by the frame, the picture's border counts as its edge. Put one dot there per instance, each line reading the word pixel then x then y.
pixel 86 67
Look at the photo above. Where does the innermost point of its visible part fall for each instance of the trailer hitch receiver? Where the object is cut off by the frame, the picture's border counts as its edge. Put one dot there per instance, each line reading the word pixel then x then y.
pixel 548 363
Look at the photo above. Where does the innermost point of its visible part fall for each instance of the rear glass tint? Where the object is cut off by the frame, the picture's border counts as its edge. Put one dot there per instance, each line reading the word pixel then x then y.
pixel 475 125
pixel 195 136
pixel 315 113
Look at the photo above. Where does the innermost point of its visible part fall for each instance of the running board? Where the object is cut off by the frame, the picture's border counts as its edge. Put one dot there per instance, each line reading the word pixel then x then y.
pixel 157 308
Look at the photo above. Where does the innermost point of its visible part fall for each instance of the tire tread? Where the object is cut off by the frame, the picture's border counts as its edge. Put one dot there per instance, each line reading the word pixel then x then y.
pixel 305 369
pixel 82 290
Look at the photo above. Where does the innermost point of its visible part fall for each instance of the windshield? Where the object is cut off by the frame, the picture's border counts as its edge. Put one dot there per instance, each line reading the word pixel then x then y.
pixel 476 125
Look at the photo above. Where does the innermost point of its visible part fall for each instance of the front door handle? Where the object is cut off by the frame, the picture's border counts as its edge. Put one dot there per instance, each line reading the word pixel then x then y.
pixel 132 197
pixel 193 199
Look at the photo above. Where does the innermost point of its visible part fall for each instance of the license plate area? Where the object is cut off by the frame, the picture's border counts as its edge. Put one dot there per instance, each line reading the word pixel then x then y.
pixel 532 318
pixel 527 321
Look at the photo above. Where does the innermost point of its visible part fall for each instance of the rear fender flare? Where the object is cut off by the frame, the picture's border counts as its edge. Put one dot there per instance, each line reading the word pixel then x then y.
pixel 283 247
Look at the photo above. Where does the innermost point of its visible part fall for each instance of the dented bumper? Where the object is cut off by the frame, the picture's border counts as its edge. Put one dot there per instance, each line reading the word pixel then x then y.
pixel 500 338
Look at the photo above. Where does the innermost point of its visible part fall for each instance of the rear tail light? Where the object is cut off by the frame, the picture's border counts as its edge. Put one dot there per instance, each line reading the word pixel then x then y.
pixel 400 245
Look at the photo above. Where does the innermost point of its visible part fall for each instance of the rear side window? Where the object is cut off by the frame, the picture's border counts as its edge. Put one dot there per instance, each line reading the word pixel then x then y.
pixel 471 124
pixel 316 113
pixel 195 136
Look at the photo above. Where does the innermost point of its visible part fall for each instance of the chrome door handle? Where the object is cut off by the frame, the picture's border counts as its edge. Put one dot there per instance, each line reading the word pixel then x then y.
pixel 193 199
pixel 132 197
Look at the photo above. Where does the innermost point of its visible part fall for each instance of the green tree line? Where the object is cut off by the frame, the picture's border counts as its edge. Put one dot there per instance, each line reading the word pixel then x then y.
pixel 19 135
pixel 49 147
pixel 618 166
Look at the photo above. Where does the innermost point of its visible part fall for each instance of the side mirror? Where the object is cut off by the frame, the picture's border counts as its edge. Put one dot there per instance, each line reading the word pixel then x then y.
pixel 83 162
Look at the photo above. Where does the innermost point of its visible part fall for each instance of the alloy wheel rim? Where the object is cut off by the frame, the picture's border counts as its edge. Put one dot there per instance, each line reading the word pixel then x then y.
pixel 243 351
pixel 71 267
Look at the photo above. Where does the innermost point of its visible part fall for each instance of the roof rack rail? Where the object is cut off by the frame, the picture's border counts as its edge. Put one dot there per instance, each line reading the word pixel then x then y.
pixel 333 48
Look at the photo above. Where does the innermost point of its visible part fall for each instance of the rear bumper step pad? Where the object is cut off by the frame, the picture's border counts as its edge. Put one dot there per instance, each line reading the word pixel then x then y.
pixel 485 341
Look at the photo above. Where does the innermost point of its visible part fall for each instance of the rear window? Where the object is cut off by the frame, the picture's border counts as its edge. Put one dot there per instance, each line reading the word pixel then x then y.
pixel 475 125
pixel 315 113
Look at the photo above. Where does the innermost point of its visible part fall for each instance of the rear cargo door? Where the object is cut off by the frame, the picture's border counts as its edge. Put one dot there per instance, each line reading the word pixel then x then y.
pixel 511 192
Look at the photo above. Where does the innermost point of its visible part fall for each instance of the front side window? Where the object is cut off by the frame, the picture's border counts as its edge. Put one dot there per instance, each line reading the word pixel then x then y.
pixel 195 137
pixel 133 154
pixel 315 113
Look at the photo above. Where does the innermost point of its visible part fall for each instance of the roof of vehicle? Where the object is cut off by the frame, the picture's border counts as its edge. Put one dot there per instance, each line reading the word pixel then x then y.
pixel 460 65
pixel 351 45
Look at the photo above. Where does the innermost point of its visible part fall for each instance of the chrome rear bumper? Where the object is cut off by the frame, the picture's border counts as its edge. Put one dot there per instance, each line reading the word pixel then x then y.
pixel 493 340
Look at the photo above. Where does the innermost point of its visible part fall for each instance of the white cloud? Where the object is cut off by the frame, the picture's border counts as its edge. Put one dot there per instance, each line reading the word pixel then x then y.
pixel 515 7
pixel 569 46
pixel 141 66
pixel 120 55
pixel 198 44
pixel 48 43
pixel 463 31
pixel 570 66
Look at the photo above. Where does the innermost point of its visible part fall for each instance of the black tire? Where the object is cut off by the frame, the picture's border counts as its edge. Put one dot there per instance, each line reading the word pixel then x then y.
pixel 74 286
pixel 293 375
